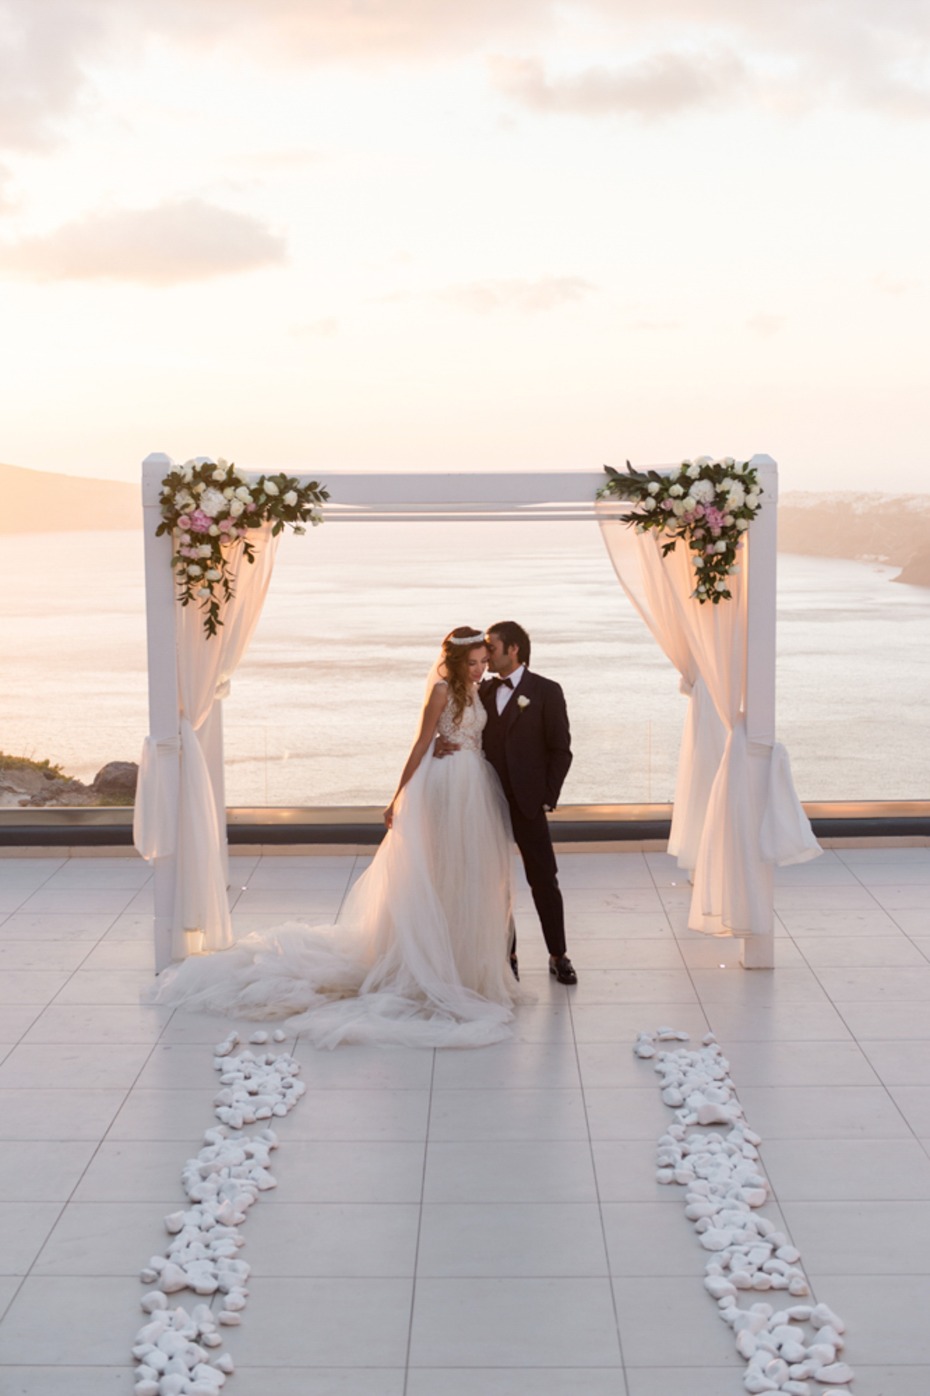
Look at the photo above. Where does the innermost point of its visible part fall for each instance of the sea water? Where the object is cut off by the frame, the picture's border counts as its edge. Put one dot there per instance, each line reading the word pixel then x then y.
pixel 325 705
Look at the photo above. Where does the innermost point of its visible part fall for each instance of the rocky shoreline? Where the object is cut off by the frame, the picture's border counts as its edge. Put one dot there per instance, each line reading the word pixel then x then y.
pixel 36 785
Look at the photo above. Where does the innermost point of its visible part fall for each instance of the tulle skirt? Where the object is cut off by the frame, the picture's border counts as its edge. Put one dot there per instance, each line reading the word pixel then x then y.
pixel 419 955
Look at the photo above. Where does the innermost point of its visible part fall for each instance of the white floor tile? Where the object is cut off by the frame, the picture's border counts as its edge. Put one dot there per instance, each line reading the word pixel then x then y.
pixel 76 1023
pixel 898 1063
pixel 321 1381
pixel 341 1239
pixel 840 952
pixel 67 900
pixel 68 1381
pixel 507 1114
pixel 885 1316
pixel 515 1171
pixel 133 1172
pixel 875 985
pixel 165 1115
pixel 511 1239
pixel 105 1238
pixel 57 1114
pixel 42 955
pixel 321 1322
pixel 689 1380
pixel 516 1381
pixel 105 986
pixel 366 1068
pixel 635 986
pixel 347 1172
pixel 94 1322
pixel 40 925
pixel 42 1171
pixel 799 1064
pixel 23 1232
pixel 621 1022
pixel 93 1066
pixel 508 1065
pixel 671 1320
pixel 823 1112
pixel 598 952
pixel 26 986
pixel 513 1322
pixel 627 1112
pixel 360 1114
pixel 862 1238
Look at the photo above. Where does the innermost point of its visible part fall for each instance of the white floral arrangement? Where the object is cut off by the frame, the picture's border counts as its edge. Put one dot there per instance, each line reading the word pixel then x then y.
pixel 209 508
pixel 708 504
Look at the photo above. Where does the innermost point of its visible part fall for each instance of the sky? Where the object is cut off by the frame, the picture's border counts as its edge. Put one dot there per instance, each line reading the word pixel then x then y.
pixel 494 235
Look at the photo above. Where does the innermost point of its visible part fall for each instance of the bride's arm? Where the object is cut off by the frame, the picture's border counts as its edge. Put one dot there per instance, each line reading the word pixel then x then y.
pixel 428 722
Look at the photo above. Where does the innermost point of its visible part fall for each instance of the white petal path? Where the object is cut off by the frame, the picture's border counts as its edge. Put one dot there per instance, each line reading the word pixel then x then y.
pixel 785 1348
pixel 174 1350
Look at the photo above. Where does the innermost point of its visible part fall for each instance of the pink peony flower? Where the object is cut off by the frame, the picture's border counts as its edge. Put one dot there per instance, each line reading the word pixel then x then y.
pixel 225 526
pixel 200 522
pixel 184 521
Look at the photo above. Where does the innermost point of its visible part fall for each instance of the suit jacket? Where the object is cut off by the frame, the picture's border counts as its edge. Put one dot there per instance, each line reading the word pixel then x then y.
pixel 529 746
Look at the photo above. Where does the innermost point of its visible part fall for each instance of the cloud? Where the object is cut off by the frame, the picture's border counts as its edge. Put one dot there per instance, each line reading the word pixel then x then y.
pixel 523 296
pixel 662 84
pixel 41 73
pixel 765 324
pixel 175 242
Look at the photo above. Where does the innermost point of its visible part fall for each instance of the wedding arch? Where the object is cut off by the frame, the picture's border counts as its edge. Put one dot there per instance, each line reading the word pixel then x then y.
pixel 736 814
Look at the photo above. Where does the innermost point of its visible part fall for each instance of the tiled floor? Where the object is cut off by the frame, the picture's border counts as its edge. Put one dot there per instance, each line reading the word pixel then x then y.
pixel 474 1223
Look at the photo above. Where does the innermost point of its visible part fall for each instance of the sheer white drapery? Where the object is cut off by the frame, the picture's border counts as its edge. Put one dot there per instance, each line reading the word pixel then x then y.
pixel 647 579
pixel 201 913
pixel 735 833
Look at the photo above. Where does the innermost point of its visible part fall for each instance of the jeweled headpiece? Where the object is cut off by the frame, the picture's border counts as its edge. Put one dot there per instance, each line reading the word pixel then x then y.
pixel 476 639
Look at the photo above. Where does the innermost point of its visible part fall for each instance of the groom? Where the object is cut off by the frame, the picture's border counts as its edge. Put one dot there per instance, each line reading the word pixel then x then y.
pixel 527 741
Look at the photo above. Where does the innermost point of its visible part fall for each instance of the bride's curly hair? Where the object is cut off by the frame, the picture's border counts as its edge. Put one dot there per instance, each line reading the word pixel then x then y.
pixel 456 648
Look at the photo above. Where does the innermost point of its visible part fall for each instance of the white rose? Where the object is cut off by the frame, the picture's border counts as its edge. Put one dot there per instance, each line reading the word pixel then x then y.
pixel 185 501
pixel 699 561
pixel 522 700
pixel 185 538
pixel 219 473
pixel 693 471
pixel 648 505
pixel 678 508
pixel 690 503
pixel 213 575
pixel 236 508
pixel 676 491
pixel 720 547
pixel 736 495
pixel 742 525
pixel 204 550
pixel 702 461
pixel 653 487
pixel 204 591
pixel 199 487
pixel 721 585
pixel 213 531
pixel 212 502
pixel 271 488
pixel 244 494
pixel 187 474
pixel 228 492
pixel 729 461
pixel 290 499
pixel 703 491
pixel 194 569
pixel 752 500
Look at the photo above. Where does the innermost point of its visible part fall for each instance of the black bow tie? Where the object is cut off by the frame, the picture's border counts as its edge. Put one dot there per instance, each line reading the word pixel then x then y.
pixel 501 683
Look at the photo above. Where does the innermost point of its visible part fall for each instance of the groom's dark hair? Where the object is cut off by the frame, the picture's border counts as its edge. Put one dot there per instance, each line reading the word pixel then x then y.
pixel 510 634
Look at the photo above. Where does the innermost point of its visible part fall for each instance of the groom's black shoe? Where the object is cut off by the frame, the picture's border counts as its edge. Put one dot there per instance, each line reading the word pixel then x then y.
pixel 563 970
pixel 515 968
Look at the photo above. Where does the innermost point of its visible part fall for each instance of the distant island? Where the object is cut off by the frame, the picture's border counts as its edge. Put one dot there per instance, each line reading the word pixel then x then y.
pixel 37 501
pixel 889 528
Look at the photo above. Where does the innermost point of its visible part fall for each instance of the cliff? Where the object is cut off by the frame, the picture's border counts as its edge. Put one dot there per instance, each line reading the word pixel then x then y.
pixel 883 527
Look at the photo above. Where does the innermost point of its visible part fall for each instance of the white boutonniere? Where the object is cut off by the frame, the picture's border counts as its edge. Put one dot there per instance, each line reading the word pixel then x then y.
pixel 523 701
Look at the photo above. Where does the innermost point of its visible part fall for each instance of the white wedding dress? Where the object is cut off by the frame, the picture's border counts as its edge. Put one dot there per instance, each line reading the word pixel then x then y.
pixel 419 955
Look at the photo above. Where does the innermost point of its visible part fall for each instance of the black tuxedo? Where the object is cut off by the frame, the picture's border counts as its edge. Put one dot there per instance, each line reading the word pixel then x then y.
pixel 529 746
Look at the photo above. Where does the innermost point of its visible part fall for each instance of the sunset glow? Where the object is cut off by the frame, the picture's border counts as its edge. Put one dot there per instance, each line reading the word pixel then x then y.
pixel 502 235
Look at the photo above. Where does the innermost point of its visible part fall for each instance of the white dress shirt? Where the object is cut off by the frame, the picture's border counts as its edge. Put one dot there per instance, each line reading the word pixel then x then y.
pixel 504 694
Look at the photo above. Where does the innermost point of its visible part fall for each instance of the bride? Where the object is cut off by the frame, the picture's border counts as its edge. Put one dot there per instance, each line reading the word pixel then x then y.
pixel 419 955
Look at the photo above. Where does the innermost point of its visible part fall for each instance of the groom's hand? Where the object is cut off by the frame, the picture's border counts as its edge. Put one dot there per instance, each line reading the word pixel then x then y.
pixel 444 747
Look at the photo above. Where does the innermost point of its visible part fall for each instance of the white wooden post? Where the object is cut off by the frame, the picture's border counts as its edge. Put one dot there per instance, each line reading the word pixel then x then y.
pixel 758 950
pixel 164 723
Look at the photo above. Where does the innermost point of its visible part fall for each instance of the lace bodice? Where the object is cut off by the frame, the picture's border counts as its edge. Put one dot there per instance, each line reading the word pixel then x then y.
pixel 467 733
